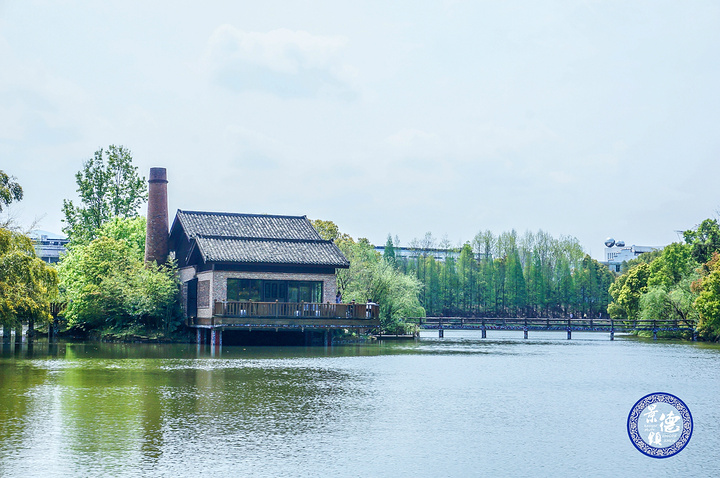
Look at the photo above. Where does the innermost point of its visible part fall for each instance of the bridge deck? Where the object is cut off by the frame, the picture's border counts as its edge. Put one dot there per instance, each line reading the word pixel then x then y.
pixel 548 324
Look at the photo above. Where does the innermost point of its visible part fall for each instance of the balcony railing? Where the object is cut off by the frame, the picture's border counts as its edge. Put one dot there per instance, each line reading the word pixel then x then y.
pixel 296 310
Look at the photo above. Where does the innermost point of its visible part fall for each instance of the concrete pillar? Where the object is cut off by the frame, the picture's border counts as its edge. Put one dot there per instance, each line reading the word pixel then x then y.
pixel 198 336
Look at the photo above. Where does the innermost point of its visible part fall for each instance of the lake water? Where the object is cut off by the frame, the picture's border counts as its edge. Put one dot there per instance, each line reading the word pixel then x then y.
pixel 457 406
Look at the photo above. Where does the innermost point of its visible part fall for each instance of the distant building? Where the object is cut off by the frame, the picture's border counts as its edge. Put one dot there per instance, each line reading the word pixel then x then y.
pixel 48 246
pixel 615 256
pixel 438 254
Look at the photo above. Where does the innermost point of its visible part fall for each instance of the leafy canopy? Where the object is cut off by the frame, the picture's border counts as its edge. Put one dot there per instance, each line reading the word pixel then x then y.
pixel 108 286
pixel 27 284
pixel 109 186
pixel 10 190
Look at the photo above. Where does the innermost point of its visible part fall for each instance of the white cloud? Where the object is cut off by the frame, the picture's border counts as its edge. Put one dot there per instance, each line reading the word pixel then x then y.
pixel 284 62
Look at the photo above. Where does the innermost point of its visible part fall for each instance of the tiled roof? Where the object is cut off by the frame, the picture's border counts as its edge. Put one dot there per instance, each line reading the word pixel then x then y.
pixel 271 251
pixel 258 226
pixel 258 239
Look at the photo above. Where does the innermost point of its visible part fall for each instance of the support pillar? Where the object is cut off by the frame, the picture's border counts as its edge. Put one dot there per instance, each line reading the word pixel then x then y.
pixel 198 336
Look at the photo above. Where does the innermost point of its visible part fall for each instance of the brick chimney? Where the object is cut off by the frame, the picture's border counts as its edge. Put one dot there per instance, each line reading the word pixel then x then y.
pixel 156 240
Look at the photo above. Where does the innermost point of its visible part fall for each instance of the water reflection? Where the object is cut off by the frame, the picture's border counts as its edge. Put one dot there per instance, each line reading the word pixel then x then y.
pixel 432 407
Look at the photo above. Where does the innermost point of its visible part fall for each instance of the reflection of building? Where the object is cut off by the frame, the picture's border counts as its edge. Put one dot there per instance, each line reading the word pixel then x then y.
pixel 615 256
pixel 48 246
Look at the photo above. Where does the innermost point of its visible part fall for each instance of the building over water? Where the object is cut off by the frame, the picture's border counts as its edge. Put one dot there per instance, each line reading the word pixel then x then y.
pixel 249 272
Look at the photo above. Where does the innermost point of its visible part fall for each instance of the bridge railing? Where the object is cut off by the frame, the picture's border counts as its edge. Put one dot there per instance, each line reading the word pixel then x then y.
pixel 552 323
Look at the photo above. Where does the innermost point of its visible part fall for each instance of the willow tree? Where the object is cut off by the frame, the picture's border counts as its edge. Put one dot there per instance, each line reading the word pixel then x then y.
pixel 27 284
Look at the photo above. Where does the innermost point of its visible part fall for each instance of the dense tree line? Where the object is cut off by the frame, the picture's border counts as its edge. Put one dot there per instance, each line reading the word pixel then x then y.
pixel 681 282
pixel 506 275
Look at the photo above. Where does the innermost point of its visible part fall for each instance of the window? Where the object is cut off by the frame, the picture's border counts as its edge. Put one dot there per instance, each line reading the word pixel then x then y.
pixel 243 289
pixel 274 290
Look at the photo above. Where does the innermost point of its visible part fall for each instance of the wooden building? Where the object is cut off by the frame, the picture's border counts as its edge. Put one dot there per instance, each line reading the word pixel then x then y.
pixel 260 272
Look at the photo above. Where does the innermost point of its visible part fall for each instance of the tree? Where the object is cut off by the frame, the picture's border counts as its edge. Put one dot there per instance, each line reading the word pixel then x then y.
pixel 27 284
pixel 9 190
pixel 628 291
pixel 109 186
pixel 704 240
pixel 389 251
pixel 109 287
pixel 328 230
pixel 372 278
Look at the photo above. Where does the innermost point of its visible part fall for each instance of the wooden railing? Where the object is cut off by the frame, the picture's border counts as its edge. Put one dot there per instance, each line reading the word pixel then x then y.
pixel 550 323
pixel 296 310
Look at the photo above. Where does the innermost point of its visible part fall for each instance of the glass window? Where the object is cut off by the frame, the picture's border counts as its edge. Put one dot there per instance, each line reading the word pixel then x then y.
pixel 243 289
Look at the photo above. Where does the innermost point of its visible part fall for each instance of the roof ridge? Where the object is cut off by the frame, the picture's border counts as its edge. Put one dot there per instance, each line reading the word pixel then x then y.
pixel 240 214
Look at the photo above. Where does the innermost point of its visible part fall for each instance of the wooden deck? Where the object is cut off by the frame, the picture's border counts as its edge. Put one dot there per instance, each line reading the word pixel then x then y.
pixel 249 315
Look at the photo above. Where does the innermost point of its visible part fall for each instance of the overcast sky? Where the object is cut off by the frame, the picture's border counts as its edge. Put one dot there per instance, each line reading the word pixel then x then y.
pixel 581 118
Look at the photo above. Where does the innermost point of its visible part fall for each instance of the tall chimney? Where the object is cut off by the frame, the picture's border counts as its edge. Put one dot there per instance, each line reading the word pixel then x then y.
pixel 156 240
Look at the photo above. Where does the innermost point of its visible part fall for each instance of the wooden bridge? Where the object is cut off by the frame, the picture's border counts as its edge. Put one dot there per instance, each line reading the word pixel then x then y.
pixel 553 324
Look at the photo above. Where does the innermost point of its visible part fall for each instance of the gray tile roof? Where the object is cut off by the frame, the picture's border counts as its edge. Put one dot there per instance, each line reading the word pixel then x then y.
pixel 258 226
pixel 258 239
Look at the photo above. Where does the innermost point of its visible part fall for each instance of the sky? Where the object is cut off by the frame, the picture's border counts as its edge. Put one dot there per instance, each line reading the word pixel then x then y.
pixel 579 118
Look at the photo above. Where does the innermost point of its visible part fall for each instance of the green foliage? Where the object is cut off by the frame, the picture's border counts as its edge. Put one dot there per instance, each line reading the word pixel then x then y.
pixel 627 293
pixel 109 186
pixel 509 275
pixel 704 241
pixel 108 286
pixel 707 302
pixel 10 190
pixel 372 278
pixel 328 230
pixel 389 251
pixel 27 284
